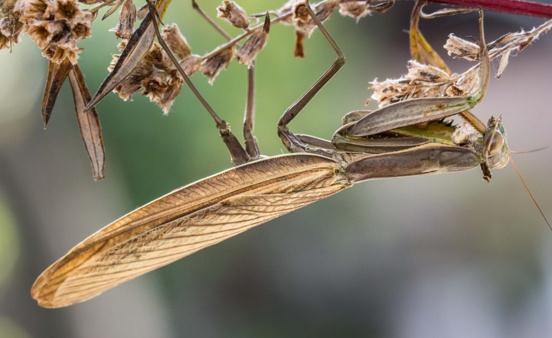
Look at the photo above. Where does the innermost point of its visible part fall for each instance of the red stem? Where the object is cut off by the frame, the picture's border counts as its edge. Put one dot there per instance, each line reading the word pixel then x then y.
pixel 508 6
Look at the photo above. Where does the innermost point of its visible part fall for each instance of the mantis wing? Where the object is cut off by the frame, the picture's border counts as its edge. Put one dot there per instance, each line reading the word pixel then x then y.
pixel 185 221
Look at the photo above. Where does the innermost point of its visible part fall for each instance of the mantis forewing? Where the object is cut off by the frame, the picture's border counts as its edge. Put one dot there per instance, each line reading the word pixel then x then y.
pixel 185 221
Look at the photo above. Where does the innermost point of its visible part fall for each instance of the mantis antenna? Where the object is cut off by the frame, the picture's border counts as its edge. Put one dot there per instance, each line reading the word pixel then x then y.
pixel 519 174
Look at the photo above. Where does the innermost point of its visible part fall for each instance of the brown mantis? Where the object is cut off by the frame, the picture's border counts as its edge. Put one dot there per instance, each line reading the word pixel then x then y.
pixel 401 139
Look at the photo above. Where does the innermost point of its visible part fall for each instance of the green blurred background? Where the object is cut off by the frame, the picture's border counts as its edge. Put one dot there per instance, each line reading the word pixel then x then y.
pixel 435 256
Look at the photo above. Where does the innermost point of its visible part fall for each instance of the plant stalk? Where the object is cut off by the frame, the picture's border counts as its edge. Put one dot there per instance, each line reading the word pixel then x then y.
pixel 521 7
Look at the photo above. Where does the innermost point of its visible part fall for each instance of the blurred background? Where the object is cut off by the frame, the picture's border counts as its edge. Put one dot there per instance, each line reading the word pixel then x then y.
pixel 435 256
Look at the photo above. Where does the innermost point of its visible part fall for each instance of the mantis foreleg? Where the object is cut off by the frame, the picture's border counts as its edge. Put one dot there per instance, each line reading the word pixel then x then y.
pixel 422 110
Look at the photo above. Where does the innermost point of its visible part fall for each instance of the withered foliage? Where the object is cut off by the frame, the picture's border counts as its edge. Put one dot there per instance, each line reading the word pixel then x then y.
pixel 156 76
pixel 10 25
pixel 248 51
pixel 502 48
pixel 295 13
pixel 127 19
pixel 233 13
pixel 56 26
pixel 424 80
pixel 214 63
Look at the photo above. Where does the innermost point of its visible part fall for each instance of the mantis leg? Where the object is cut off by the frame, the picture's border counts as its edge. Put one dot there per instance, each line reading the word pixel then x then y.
pixel 421 50
pixel 237 153
pixel 251 146
pixel 209 20
pixel 290 140
pixel 410 112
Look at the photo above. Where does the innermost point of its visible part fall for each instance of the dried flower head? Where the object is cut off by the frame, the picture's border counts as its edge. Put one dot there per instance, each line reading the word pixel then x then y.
pixel 212 65
pixel 155 76
pixel 361 8
pixel 127 18
pixel 304 22
pixel 248 52
pixel 10 28
pixel 426 81
pixel 354 9
pixel 233 13
pixel 422 81
pixel 502 47
pixel 56 26
pixel 286 12
pixel 460 48
pixel 176 41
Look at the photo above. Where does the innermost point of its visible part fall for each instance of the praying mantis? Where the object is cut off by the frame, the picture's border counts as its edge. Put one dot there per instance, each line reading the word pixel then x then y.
pixel 401 139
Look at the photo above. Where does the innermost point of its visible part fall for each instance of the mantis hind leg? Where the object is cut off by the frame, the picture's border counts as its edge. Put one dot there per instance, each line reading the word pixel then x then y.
pixel 238 154
pixel 251 146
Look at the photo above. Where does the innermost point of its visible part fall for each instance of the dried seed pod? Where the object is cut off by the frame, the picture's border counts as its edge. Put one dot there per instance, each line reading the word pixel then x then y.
pixel 56 26
pixel 305 25
pixel 501 48
pixel 216 63
pixel 510 43
pixel 176 41
pixel 233 13
pixel 354 9
pixel 10 28
pixel 299 44
pixel 127 18
pixel 423 81
pixel 248 52
pixel 359 9
pixel 191 64
pixel 304 22
pixel 460 48
pixel 286 12
pixel 155 76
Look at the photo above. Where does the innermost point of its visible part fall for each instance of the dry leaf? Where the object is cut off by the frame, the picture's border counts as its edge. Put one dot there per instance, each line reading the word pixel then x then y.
pixel 89 123
pixel 57 73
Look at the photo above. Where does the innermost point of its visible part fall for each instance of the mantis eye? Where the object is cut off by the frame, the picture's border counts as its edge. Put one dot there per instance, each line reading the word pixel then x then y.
pixel 497 151
pixel 496 145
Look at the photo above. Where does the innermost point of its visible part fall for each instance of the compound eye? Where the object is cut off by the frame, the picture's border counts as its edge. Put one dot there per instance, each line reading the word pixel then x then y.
pixel 497 144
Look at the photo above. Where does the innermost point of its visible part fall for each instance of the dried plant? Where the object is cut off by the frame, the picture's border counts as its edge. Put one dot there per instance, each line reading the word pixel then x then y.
pixel 424 80
pixel 502 48
pixel 158 69
pixel 155 76
pixel 56 26
pixel 233 13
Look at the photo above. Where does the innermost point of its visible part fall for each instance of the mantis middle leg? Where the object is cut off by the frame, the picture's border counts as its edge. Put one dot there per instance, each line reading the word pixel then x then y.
pixel 290 140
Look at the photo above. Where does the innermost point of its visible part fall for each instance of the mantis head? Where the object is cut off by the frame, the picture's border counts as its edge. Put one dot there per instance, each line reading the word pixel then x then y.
pixel 495 153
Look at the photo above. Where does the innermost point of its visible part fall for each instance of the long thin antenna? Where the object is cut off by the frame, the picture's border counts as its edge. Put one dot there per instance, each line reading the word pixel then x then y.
pixel 526 187
pixel 516 152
